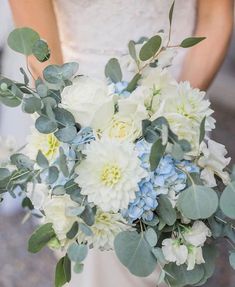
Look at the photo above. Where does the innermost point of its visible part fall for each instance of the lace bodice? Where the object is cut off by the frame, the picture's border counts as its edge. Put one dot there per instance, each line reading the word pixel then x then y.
pixel 92 31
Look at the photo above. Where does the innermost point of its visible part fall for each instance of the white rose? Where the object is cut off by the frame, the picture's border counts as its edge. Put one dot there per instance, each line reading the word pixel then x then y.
pixel 38 194
pixel 197 234
pixel 84 98
pixel 55 212
pixel 213 163
pixel 173 251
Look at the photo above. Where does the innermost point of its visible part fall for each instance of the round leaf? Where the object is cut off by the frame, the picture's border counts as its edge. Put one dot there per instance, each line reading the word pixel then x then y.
pixel 22 40
pixel 45 125
pixel 77 253
pixel 227 200
pixel 113 70
pixel 150 48
pixel 198 202
pixel 41 50
pixel 134 252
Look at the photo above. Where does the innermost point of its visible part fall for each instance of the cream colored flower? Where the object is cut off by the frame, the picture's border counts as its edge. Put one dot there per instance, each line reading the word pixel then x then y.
pixel 213 162
pixel 197 234
pixel 47 143
pixel 38 194
pixel 55 210
pixel 84 98
pixel 110 174
pixel 174 251
pixel 126 124
pixel 106 227
pixel 194 257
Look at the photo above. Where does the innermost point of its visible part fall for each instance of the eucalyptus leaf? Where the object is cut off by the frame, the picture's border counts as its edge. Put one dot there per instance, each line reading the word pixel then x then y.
pixel 40 238
pixel 58 190
pixel 202 130
pixel 150 48
pixel 22 40
pixel 85 229
pixel 69 70
pixel 88 215
pixel 132 50
pixel 26 79
pixel 227 200
pixel 45 125
pixel 198 202
pixel 135 253
pixel 133 83
pixel 21 161
pixel 42 90
pixel 64 117
pixel 63 272
pixel 151 237
pixel 192 41
pixel 41 50
pixel 165 210
pixel 66 134
pixel 63 163
pixel 156 153
pixel 78 267
pixel 52 174
pixel 113 70
pixel 171 12
pixel 31 104
pixel 232 259
pixel 73 231
pixel 77 252
pixel 41 160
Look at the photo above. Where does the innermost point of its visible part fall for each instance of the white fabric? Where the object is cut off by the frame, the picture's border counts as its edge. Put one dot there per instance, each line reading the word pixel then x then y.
pixel 93 31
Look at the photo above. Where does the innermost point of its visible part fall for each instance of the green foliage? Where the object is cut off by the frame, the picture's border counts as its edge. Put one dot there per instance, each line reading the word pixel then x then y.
pixel 10 94
pixel 66 134
pixel 40 238
pixel 78 267
pixel 150 48
pixel 227 200
pixel 73 231
pixel 132 50
pixel 165 210
pixel 63 272
pixel 22 40
pixel 52 173
pixel 85 229
pixel 77 252
pixel 88 215
pixel 21 161
pixel 232 259
pixel 134 251
pixel 26 79
pixel 63 163
pixel 151 237
pixel 171 12
pixel 133 83
pixel 156 153
pixel 41 50
pixel 31 104
pixel 42 160
pixel 192 41
pixel 45 125
pixel 202 130
pixel 179 276
pixel 198 202
pixel 113 70
pixel 56 74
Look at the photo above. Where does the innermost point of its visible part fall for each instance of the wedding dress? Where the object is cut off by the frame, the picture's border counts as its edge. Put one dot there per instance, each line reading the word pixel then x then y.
pixel 92 32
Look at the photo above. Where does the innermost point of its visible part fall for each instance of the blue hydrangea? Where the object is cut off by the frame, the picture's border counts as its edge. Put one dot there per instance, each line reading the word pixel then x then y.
pixel 168 178
pixel 120 89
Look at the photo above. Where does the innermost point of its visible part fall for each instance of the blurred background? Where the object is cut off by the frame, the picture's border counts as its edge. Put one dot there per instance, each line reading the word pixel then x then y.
pixel 19 268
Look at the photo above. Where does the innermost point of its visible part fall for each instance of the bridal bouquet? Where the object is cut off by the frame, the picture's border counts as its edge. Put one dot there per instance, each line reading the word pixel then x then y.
pixel 121 165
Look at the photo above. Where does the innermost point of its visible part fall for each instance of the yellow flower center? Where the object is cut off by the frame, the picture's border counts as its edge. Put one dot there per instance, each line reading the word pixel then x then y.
pixel 118 129
pixel 110 175
pixel 52 146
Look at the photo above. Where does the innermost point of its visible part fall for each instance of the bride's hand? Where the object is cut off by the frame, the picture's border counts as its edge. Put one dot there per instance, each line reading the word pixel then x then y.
pixel 214 21
pixel 39 15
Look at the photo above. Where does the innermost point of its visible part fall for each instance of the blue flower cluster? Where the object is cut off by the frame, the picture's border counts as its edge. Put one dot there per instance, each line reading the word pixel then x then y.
pixel 169 178
pixel 120 89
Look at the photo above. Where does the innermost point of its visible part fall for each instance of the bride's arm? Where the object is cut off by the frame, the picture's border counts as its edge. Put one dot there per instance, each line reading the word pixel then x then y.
pixel 215 21
pixel 40 16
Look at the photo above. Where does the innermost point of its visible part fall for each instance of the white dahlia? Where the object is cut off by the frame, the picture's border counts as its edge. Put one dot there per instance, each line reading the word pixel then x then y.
pixel 105 229
pixel 110 174
pixel 47 143
pixel 84 98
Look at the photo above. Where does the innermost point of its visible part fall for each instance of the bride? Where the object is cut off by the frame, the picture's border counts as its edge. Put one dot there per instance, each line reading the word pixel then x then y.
pixel 92 31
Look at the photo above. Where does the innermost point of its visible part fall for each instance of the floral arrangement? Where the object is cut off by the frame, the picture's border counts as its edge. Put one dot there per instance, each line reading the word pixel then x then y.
pixel 123 165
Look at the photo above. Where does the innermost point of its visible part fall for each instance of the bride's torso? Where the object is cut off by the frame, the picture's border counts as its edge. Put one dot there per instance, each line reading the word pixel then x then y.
pixel 92 31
